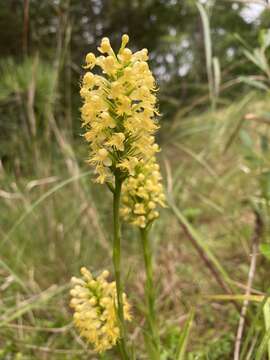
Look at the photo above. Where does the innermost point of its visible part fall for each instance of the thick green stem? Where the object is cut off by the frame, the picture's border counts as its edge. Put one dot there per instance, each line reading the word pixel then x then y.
pixel 150 294
pixel 117 267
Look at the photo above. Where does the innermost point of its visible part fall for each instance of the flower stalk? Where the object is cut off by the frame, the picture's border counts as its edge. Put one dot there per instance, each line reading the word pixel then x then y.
pixel 117 265
pixel 150 294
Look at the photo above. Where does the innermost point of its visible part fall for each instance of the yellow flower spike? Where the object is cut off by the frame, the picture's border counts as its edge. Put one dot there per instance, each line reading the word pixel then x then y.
pixel 142 194
pixel 95 313
pixel 120 101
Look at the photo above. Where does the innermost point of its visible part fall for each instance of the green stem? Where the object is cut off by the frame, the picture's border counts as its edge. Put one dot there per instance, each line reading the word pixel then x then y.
pixel 150 294
pixel 117 267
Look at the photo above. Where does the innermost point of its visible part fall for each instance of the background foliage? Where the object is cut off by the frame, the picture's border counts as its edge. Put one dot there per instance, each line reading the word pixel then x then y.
pixel 215 161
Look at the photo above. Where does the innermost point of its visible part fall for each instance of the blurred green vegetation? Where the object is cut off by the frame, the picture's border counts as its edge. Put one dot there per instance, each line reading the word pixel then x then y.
pixel 215 162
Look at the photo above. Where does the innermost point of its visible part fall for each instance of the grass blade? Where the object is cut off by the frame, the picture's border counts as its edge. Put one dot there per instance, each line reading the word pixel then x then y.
pixel 184 336
pixel 208 50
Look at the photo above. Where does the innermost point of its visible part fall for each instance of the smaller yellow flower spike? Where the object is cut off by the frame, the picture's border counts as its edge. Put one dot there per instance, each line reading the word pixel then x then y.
pixel 143 194
pixel 95 306
pixel 119 110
